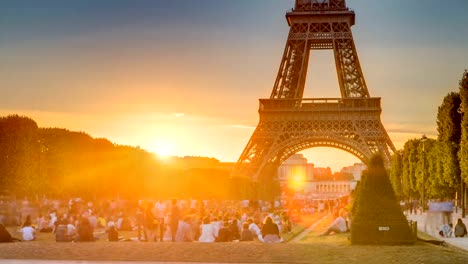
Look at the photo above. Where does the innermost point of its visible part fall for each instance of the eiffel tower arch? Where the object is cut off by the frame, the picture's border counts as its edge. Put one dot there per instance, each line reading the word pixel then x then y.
pixel 290 123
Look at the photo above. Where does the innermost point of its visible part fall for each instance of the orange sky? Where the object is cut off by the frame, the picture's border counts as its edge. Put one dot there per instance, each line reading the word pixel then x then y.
pixel 184 78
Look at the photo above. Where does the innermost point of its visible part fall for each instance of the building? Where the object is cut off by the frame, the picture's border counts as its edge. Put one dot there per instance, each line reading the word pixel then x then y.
pixel 356 170
pixel 296 166
pixel 316 183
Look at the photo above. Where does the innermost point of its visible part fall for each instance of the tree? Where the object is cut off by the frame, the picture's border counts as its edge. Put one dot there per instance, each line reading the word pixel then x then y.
pixel 463 152
pixel 18 154
pixel 396 172
pixel 449 136
pixel 410 160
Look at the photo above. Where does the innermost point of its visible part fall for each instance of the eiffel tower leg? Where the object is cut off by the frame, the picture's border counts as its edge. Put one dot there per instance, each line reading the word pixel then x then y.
pixel 252 159
pixel 291 76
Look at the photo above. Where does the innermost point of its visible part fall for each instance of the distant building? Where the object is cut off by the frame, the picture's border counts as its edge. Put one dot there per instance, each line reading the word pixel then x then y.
pixel 315 182
pixel 322 174
pixel 356 170
pixel 295 166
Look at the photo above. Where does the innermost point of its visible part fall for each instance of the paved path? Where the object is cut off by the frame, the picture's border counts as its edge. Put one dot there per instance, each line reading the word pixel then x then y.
pixel 460 242
pixel 304 233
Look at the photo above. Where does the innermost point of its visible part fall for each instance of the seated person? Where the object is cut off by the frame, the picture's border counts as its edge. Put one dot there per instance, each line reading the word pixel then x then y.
pixel 224 233
pixel 247 234
pixel 339 225
pixel 61 234
pixel 460 229
pixel 45 224
pixel 446 230
pixel 234 230
pixel 253 227
pixel 207 231
pixel 28 231
pixel 85 230
pixel 112 233
pixel 270 231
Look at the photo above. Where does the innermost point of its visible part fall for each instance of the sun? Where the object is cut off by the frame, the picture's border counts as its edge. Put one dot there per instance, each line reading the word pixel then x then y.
pixel 164 148
pixel 297 182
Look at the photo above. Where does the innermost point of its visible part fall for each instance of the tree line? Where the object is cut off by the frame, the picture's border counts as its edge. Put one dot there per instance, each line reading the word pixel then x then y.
pixel 436 168
pixel 55 162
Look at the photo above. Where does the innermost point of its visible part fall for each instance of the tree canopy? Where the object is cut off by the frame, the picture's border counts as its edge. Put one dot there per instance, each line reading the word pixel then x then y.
pixel 61 163
pixel 436 166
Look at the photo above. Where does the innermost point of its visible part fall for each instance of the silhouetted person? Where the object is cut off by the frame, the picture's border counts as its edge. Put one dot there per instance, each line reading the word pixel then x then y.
pixel 174 219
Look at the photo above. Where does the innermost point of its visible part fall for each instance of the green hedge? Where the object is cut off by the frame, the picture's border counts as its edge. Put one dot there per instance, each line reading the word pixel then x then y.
pixel 377 216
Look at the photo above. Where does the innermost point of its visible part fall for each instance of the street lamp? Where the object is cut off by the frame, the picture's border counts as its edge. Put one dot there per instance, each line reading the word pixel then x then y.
pixel 461 111
pixel 423 200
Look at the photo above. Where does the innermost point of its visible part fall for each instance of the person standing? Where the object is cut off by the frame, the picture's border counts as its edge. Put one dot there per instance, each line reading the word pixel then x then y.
pixel 159 211
pixel 140 221
pixel 150 223
pixel 174 219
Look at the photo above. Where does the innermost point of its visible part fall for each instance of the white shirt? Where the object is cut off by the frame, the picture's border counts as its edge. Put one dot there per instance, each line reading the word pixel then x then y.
pixel 207 233
pixel 255 229
pixel 159 210
pixel 71 230
pixel 28 233
pixel 340 223
pixel 216 227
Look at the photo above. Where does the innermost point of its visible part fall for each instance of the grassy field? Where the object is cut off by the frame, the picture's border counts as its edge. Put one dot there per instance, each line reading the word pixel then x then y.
pixel 312 249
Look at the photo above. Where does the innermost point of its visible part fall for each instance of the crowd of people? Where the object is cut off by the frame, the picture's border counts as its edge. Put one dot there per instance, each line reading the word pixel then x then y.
pixel 157 220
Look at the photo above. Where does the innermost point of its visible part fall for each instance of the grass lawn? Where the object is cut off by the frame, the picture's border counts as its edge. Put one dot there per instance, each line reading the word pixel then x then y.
pixel 312 249
pixel 303 224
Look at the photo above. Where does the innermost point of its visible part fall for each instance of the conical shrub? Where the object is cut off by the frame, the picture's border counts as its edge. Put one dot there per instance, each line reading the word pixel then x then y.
pixel 377 216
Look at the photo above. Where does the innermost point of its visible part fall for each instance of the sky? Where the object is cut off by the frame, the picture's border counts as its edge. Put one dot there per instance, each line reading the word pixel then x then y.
pixel 184 77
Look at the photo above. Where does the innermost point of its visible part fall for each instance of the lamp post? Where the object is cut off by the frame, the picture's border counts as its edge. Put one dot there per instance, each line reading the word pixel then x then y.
pixel 461 111
pixel 423 194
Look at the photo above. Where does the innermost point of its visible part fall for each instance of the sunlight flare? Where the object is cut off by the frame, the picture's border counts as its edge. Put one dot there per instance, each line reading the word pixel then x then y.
pixel 164 148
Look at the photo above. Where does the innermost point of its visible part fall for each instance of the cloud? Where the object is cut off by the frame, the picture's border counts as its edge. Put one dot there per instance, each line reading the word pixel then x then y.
pixel 243 126
pixel 410 128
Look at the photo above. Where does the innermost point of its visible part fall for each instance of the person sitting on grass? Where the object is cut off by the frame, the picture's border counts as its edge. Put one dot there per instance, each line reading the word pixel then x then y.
pixel 270 231
pixel 247 234
pixel 45 224
pixel 224 234
pixel 85 230
pixel 460 229
pixel 112 233
pixel 28 231
pixel 338 226
pixel 253 227
pixel 207 231
pixel 234 230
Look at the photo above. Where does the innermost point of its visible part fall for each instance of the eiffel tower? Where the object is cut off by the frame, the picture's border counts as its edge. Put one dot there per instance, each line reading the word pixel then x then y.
pixel 290 123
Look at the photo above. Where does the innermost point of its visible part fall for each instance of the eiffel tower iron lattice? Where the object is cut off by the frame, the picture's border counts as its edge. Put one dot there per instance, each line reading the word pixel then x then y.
pixel 290 123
